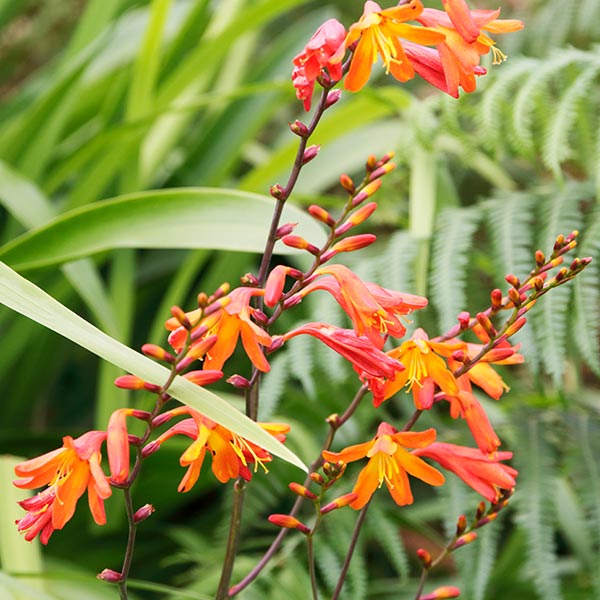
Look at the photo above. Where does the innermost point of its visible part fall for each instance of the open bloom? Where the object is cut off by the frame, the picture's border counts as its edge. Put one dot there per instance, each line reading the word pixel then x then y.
pixel 325 49
pixel 231 453
pixel 366 358
pixel 466 40
pixel 68 472
pixel 374 310
pixel 378 32
pixel 389 461
pixel 233 321
pixel 484 474
pixel 425 368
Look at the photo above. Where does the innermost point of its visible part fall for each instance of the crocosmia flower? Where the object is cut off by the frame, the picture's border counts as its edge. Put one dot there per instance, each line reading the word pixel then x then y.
pixel 485 474
pixel 325 49
pixel 68 472
pixel 231 454
pixel 378 32
pixel 389 461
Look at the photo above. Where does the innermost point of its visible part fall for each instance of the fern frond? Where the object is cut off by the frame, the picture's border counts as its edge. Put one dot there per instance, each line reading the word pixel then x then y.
pixel 273 385
pixel 453 241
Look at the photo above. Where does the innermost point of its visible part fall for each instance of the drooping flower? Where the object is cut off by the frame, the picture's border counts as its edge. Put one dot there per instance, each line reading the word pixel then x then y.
pixel 389 461
pixel 68 472
pixel 374 310
pixel 233 321
pixel 425 368
pixel 378 32
pixel 325 49
pixel 466 40
pixel 366 358
pixel 231 453
pixel 486 475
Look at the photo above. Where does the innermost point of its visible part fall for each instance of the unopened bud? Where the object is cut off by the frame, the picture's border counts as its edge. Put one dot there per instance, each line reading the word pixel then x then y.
pixel 339 502
pixel 181 317
pixel 295 241
pixel 110 576
pixel 381 171
pixel 154 351
pixel 347 183
pixel 461 525
pixel 276 342
pixel 202 299
pixel 538 283
pixel 442 593
pixel 332 97
pixel 285 229
pixel 239 382
pixel 319 213
pixel 203 378
pixel 463 540
pixel 260 317
pixel 249 280
pixel 464 320
pixel 486 324
pixel 299 128
pixel 310 153
pixel 366 192
pixel 496 299
pixel 162 419
pixel 424 557
pixel 317 478
pixel 562 274
pixel 513 280
pixel 386 158
pixel 152 387
pixel 459 356
pixel 130 382
pixel 560 242
pixel 277 191
pixel 354 242
pixel 514 296
pixel 480 511
pixel 371 162
pixel 275 284
pixel 540 259
pixel 150 448
pixel 489 518
pixel 141 514
pixel 300 490
pixel 288 523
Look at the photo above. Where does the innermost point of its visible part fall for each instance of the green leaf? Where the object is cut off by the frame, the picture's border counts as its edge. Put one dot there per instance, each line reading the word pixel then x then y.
pixel 182 218
pixel 21 295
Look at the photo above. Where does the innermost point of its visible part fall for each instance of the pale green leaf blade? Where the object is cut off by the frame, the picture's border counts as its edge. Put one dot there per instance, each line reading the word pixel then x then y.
pixel 21 295
pixel 212 218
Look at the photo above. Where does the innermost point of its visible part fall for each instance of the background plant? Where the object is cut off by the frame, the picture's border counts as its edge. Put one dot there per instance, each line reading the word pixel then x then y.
pixel 134 96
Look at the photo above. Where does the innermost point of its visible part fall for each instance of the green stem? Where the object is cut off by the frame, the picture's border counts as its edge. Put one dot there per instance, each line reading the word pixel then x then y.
pixel 311 566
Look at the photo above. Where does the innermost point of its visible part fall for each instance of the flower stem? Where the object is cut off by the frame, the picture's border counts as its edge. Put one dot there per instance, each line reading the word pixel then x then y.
pixel 127 560
pixel 311 566
pixel 353 542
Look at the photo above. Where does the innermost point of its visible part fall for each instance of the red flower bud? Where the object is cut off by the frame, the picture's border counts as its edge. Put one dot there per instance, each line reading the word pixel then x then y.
pixel 130 382
pixel 239 382
pixel 332 97
pixel 299 128
pixel 442 593
pixel 285 229
pixel 339 502
pixel 289 523
pixel 381 171
pixel 300 490
pixel 310 153
pixel 181 317
pixel 366 192
pixel 202 378
pixel 461 525
pixel 347 183
pixel 277 191
pixel 154 351
pixel 465 539
pixel 319 213
pixel 141 514
pixel 424 557
pixel 354 242
pixel 110 576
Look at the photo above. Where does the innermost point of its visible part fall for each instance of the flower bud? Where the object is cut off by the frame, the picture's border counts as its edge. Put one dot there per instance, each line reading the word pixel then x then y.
pixel 110 576
pixel 463 540
pixel 295 241
pixel 347 184
pixel 276 342
pixel 150 448
pixel 424 557
pixel 386 158
pixel 239 382
pixel 514 297
pixel 339 502
pixel 310 153
pixel 496 299
pixel 152 387
pixel 277 191
pixel 461 525
pixel 354 242
pixel 459 356
pixel 540 259
pixel 317 478
pixel 141 514
pixel 289 523
pixel 488 519
pixel 249 280
pixel 130 382
pixel 464 320
pixel 202 378
pixel 381 171
pixel 319 213
pixel 480 510
pixel 513 280
pixel 154 351
pixel 332 97
pixel 181 317
pixel 485 322
pixel 299 128
pixel 442 593
pixel 366 192
pixel 274 285
pixel 285 229
pixel 300 490
pixel 371 162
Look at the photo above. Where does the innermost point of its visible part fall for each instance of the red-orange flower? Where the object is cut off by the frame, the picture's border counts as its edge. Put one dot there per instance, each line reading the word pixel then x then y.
pixel 233 321
pixel 231 453
pixel 389 461
pixel 484 474
pixel 374 310
pixel 378 32
pixel 325 49
pixel 465 42
pixel 424 369
pixel 68 472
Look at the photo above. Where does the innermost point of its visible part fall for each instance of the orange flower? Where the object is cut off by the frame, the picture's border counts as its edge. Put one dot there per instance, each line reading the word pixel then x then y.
pixel 465 42
pixel 233 321
pixel 424 369
pixel 68 472
pixel 485 475
pixel 373 310
pixel 389 461
pixel 231 454
pixel 378 32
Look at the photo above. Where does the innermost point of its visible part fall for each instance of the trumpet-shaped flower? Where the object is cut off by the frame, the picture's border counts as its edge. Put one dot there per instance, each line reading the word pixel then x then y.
pixel 374 310
pixel 425 368
pixel 466 40
pixel 68 472
pixel 325 49
pixel 233 321
pixel 231 453
pixel 378 32
pixel 389 461
pixel 484 474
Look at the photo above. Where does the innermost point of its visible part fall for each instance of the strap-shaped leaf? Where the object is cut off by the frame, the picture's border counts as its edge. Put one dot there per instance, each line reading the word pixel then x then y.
pixel 21 295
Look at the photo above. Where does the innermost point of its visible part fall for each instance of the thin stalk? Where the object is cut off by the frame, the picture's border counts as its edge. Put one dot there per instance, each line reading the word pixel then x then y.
pixel 127 560
pixel 311 566
pixel 357 528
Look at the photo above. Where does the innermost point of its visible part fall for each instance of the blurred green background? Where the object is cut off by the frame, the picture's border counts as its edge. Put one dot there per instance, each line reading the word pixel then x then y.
pixel 102 98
